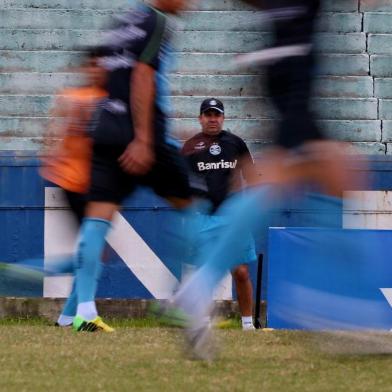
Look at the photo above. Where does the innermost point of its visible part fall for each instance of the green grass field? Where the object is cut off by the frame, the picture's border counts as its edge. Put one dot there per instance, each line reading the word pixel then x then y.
pixel 144 356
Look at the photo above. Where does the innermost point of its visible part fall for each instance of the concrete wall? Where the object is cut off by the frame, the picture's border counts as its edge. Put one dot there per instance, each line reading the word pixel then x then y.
pixel 353 94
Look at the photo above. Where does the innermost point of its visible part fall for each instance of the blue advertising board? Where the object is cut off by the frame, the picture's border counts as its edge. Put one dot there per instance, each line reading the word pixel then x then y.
pixel 329 279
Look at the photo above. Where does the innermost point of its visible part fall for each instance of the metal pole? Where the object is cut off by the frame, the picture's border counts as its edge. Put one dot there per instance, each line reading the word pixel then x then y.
pixel 258 323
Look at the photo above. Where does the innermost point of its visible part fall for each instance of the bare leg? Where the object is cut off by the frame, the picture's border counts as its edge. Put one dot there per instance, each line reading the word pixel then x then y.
pixel 244 289
pixel 244 294
pixel 323 162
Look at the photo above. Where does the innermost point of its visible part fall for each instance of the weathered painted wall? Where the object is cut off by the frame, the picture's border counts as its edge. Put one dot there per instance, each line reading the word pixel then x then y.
pixel 353 94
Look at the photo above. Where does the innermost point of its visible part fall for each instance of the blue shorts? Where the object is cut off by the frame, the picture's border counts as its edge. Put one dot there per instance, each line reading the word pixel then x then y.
pixel 211 227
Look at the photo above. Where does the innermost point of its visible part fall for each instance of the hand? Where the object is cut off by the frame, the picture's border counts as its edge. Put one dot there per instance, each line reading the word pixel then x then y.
pixel 138 158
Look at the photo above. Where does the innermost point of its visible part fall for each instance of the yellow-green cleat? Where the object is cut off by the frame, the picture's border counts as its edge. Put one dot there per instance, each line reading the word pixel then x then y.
pixel 168 314
pixel 96 325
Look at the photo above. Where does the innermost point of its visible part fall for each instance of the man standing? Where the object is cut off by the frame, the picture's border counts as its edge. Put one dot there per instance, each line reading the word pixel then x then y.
pixel 221 159
pixel 131 146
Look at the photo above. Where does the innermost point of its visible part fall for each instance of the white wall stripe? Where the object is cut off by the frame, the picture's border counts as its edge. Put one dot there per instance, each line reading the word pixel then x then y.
pixel 141 260
pixel 60 232
pixel 368 210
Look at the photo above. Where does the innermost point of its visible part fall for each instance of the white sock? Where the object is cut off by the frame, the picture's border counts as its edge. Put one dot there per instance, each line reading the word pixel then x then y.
pixel 64 321
pixel 87 310
pixel 247 322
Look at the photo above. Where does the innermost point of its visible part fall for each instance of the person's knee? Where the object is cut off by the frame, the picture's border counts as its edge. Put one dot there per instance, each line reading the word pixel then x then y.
pixel 241 274
pixel 101 210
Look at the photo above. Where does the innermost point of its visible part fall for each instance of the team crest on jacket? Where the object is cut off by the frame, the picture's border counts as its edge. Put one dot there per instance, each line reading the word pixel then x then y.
pixel 200 146
pixel 215 149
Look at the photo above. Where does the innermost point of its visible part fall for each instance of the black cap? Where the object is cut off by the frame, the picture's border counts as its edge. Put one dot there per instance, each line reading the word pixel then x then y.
pixel 212 104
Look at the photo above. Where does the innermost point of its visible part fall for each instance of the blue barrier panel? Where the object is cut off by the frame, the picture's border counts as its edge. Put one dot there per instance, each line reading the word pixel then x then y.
pixel 329 279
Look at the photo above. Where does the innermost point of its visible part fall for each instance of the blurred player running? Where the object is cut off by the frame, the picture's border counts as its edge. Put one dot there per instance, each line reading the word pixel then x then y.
pixel 131 145
pixel 301 154
pixel 67 159
pixel 67 163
